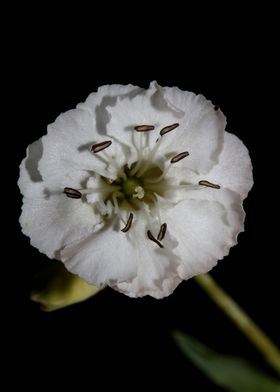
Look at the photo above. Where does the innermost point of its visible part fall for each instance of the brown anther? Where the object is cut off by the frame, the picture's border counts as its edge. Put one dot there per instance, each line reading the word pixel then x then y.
pixel 128 223
pixel 144 128
pixel 100 146
pixel 209 184
pixel 162 232
pixel 72 193
pixel 169 128
pixel 180 156
pixel 152 238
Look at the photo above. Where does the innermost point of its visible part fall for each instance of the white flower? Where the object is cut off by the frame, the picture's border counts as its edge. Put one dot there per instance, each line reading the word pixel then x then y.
pixel 136 189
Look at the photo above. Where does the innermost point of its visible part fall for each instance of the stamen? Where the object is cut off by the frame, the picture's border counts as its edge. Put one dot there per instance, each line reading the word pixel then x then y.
pixel 180 156
pixel 152 238
pixel 72 193
pixel 169 128
pixel 162 232
pixel 144 128
pixel 139 157
pixel 128 223
pixel 100 146
pixel 115 201
pixel 209 184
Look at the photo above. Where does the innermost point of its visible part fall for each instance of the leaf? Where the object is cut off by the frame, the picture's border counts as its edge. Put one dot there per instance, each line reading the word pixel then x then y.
pixel 232 373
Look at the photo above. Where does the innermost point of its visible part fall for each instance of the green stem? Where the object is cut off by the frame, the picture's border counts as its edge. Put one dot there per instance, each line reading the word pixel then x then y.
pixel 241 320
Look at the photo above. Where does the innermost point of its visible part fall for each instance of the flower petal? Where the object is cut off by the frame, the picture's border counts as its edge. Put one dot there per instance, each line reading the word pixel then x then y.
pixel 55 221
pixel 200 132
pixel 138 286
pixel 205 231
pixel 106 95
pixel 234 170
pixel 31 183
pixel 146 108
pixel 66 147
pixel 128 262
pixel 101 257
pixel 30 179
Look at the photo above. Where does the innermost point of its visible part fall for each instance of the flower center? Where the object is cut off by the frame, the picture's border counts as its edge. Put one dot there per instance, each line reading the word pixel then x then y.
pixel 132 187
pixel 141 183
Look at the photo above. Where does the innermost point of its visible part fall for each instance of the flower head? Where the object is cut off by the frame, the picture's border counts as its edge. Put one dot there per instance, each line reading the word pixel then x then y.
pixel 136 189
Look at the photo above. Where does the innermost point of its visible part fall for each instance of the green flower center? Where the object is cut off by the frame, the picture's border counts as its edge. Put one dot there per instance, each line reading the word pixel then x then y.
pixel 129 186
pixel 133 187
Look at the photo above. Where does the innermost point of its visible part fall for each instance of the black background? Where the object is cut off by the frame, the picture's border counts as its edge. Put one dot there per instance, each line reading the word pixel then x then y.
pixel 112 340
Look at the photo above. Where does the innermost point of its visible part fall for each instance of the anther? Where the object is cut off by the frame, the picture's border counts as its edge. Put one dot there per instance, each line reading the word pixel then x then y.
pixel 72 193
pixel 209 184
pixel 162 232
pixel 152 238
pixel 180 156
pixel 144 128
pixel 169 128
pixel 128 223
pixel 100 146
pixel 216 108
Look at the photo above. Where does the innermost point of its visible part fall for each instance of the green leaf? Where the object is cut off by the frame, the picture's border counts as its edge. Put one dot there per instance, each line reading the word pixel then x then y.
pixel 232 373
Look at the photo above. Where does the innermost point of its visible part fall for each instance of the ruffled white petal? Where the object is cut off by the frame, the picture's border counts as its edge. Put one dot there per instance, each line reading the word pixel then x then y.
pixel 48 217
pixel 30 179
pixel 205 231
pixel 200 232
pixel 146 108
pixel 54 221
pixel 234 170
pixel 137 287
pixel 200 132
pixel 106 95
pixel 128 262
pixel 66 147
